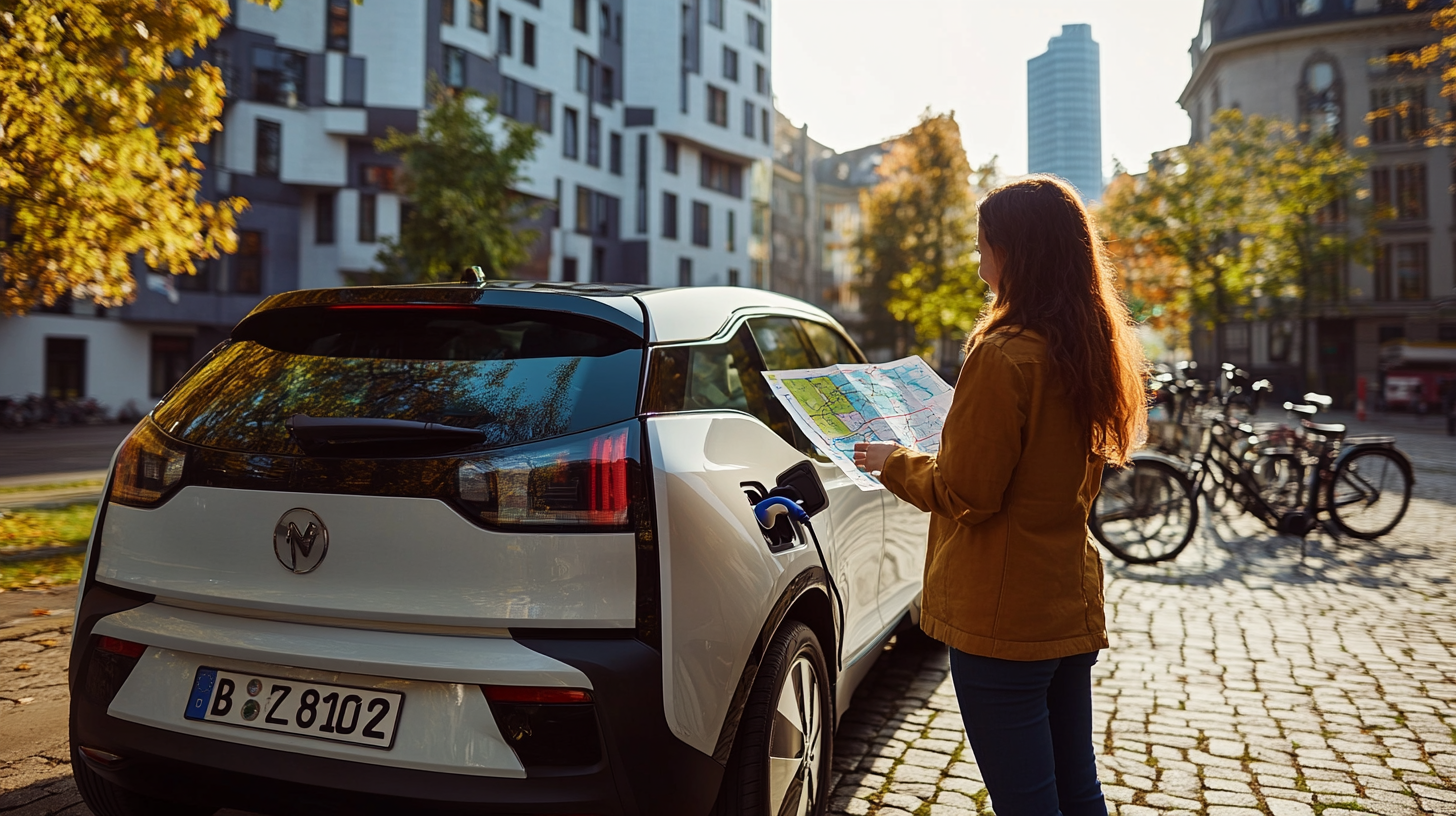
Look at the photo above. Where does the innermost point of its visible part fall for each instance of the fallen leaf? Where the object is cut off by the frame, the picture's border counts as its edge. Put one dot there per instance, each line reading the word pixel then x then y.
pixel 46 643
pixel 39 613
pixel 23 667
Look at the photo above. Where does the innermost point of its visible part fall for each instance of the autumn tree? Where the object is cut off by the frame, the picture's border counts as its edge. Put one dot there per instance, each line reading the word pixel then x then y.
pixel 461 171
pixel 98 132
pixel 920 287
pixel 1254 221
pixel 1438 56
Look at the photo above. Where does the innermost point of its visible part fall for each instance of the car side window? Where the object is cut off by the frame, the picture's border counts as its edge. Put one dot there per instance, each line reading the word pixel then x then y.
pixel 781 343
pixel 832 347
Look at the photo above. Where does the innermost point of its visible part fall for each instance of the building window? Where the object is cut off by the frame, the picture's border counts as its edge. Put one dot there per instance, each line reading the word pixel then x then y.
pixel 730 64
pixel 544 105
pixel 447 12
pixel 578 15
pixel 684 271
pixel 249 266
pixel 1320 94
pixel 756 271
pixel 504 31
pixel 1380 191
pixel 1410 191
pixel 718 106
pixel 702 224
pixel 723 176
pixel 749 114
pixel 669 156
pixel 594 142
pixel 614 155
pixel 336 36
pixel 510 98
pixel 368 218
pixel 528 43
pixel 454 67
pixel 715 13
pixel 583 210
pixel 642 184
pixel 609 85
pixel 479 15
pixel 669 215
pixel 733 277
pixel 378 176
pixel 268 149
pixel 760 79
pixel 763 130
pixel 568 269
pixel 1407 117
pixel 569 144
pixel 585 66
pixel 171 357
pixel 323 218
pixel 1411 261
pixel 65 367
pixel 278 76
pixel 755 33
pixel 732 245
pixel 605 24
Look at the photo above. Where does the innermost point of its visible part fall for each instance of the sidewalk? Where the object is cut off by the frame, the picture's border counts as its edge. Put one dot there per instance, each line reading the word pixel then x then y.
pixel 37 451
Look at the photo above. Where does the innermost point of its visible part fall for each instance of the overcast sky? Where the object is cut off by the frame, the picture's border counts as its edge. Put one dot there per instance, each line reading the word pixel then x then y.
pixel 858 71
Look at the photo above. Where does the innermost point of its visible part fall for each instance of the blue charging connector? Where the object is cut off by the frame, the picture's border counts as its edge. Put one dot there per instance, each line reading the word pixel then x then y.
pixel 768 513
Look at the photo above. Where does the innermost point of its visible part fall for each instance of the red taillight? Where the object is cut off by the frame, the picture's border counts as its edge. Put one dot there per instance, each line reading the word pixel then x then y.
pixel 148 467
pixel 581 482
pixel 125 648
pixel 532 694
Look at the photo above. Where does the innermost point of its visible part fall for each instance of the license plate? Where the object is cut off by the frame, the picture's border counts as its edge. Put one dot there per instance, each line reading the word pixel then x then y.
pixel 357 716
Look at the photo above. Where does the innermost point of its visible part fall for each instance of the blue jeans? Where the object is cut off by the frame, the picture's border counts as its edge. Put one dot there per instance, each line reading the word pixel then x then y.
pixel 1029 724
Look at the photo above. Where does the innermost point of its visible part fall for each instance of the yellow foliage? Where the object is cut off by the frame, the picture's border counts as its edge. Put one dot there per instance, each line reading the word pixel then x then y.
pixel 98 135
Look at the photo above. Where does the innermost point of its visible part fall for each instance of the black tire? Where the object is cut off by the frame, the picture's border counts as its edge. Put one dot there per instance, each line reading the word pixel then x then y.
pixel 767 738
pixel 1145 512
pixel 107 799
pixel 1369 492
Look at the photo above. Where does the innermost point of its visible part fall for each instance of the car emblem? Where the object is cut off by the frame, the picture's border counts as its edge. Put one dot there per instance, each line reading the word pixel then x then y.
pixel 300 540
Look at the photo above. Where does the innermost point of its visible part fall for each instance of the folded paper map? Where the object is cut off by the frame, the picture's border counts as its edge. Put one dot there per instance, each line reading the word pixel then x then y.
pixel 904 401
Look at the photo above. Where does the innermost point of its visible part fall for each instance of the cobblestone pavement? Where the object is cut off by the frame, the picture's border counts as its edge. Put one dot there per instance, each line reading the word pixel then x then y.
pixel 1242 679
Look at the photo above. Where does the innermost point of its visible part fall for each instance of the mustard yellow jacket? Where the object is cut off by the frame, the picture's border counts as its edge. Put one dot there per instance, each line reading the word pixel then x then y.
pixel 1011 571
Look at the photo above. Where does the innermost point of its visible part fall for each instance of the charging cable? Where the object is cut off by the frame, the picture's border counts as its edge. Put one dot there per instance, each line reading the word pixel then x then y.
pixel 768 512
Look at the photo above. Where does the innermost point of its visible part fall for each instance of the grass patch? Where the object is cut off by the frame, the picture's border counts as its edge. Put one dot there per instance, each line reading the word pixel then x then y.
pixel 6 491
pixel 57 571
pixel 47 528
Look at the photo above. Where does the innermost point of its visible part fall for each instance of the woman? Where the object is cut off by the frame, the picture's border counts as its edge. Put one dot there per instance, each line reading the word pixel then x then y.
pixel 1051 391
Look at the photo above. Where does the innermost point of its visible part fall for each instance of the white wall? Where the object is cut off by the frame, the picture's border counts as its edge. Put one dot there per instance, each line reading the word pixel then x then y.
pixel 391 35
pixel 298 24
pixel 118 356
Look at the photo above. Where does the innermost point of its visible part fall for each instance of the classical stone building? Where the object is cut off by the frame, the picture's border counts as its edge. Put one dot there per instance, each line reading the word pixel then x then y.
pixel 1325 63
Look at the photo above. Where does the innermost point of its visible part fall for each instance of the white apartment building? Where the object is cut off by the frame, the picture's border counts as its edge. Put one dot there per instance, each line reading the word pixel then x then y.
pixel 655 118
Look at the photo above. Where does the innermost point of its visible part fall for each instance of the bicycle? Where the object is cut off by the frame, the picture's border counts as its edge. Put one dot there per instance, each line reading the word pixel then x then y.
pixel 1148 511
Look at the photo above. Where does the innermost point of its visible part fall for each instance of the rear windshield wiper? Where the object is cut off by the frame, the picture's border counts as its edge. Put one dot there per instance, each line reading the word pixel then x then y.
pixel 361 436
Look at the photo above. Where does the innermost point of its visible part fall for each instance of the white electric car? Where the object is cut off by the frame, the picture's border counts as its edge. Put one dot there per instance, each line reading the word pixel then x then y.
pixel 483 548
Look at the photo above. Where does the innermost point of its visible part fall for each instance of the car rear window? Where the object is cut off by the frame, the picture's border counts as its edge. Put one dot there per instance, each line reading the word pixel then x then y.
pixel 516 374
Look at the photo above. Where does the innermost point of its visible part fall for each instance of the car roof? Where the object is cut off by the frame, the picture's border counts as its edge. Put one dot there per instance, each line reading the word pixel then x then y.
pixel 676 315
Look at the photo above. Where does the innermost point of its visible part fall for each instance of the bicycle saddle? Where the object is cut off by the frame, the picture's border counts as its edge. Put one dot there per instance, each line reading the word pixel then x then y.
pixel 1333 430
pixel 1307 410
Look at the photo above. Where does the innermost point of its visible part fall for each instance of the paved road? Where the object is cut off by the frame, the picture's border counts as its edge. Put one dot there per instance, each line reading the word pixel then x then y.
pixel 55 450
pixel 1243 679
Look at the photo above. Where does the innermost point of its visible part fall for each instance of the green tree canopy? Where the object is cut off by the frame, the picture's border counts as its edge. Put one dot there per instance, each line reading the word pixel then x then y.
pixel 97 146
pixel 920 288
pixel 460 172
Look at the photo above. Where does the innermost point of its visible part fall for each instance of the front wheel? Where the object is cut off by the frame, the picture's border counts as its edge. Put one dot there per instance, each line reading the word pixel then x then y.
pixel 1145 512
pixel 782 756
pixel 1369 492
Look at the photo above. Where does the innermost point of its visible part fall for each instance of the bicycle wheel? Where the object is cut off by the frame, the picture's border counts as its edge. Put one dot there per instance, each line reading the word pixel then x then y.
pixel 1369 492
pixel 1280 477
pixel 1145 512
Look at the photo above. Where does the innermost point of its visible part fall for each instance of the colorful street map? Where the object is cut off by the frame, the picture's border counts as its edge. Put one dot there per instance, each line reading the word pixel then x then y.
pixel 904 401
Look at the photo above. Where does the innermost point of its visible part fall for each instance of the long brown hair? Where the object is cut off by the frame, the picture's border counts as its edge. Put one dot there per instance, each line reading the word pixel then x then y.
pixel 1056 281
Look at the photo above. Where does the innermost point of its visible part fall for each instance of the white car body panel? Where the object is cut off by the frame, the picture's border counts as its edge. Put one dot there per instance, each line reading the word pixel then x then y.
pixel 701 312
pixel 902 569
pixel 443 727
pixel 719 580
pixel 437 658
pixel 391 559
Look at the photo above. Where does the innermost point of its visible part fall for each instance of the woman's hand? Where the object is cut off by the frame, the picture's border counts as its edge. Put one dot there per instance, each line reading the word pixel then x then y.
pixel 870 456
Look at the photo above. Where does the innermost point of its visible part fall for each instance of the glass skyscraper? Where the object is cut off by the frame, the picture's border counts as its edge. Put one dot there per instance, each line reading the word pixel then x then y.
pixel 1064 110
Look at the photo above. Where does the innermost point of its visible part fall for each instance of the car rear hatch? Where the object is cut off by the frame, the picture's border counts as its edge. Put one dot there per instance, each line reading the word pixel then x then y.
pixel 425 456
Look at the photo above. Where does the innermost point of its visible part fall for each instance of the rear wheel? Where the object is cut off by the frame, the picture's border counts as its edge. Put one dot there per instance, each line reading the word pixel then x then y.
pixel 1145 512
pixel 782 756
pixel 108 799
pixel 1369 492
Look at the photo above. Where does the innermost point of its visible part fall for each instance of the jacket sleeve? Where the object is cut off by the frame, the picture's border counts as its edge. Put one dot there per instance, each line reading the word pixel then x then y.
pixel 980 444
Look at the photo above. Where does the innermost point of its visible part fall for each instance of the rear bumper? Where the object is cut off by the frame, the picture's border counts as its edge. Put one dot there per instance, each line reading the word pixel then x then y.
pixel 645 769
